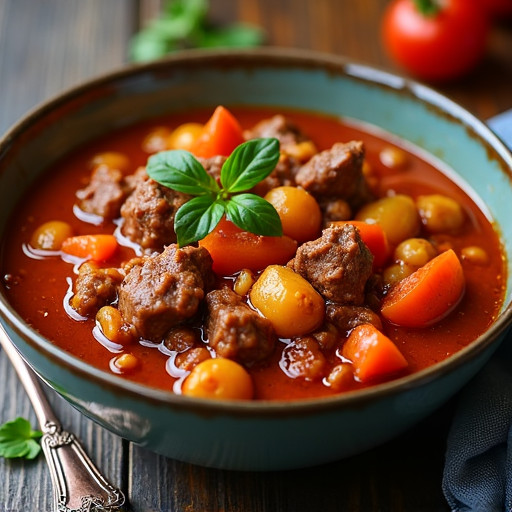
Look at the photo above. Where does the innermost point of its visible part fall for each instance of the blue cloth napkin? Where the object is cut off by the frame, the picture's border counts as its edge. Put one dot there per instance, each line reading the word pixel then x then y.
pixel 478 466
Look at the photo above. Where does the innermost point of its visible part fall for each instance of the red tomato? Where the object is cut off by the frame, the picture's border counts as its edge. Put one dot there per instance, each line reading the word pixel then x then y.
pixel 497 8
pixel 436 47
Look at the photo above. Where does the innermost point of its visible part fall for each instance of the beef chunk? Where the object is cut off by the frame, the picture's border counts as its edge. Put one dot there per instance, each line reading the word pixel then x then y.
pixel 334 210
pixel 104 194
pixel 148 215
pixel 346 318
pixel 236 331
pixel 336 173
pixel 132 180
pixel 165 290
pixel 189 359
pixel 94 288
pixel 337 264
pixel 303 359
pixel 213 165
pixel 107 191
pixel 286 132
pixel 181 338
pixel 327 336
pixel 282 175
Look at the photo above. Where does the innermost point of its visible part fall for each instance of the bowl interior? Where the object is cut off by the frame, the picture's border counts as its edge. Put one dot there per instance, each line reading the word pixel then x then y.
pixel 431 124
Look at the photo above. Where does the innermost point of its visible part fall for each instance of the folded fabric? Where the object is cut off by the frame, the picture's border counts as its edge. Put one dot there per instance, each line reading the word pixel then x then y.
pixel 478 469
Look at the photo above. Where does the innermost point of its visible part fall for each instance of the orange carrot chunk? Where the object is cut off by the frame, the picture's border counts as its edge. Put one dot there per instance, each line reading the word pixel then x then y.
pixel 220 135
pixel 373 355
pixel 427 295
pixel 233 249
pixel 374 237
pixel 90 247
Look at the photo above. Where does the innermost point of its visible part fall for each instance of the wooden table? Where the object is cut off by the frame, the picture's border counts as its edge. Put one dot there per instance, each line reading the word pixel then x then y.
pixel 49 45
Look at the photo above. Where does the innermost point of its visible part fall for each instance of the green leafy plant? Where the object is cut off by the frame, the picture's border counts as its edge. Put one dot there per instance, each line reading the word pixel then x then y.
pixel 184 24
pixel 249 163
pixel 17 439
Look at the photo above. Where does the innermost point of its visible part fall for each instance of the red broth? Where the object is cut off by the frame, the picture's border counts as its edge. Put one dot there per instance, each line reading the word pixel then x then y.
pixel 37 287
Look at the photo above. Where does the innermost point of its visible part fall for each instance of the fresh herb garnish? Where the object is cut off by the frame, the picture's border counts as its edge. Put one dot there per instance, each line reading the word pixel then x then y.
pixel 249 163
pixel 17 439
pixel 428 8
pixel 184 24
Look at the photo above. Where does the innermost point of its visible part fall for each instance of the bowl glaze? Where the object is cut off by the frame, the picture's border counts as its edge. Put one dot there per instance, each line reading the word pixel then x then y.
pixel 259 435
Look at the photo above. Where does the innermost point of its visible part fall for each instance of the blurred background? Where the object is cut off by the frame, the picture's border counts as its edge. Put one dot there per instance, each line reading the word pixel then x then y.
pixel 63 42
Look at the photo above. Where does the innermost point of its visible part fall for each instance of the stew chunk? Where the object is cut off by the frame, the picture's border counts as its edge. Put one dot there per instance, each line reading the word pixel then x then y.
pixel 95 287
pixel 336 174
pixel 164 290
pixel 235 331
pixel 337 264
pixel 148 215
pixel 105 193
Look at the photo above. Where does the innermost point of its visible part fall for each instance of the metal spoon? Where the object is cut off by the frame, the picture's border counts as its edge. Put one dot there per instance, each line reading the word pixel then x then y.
pixel 78 484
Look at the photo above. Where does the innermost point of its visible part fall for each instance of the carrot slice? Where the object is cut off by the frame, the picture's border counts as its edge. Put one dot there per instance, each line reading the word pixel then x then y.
pixel 233 249
pixel 374 237
pixel 220 135
pixel 373 355
pixel 90 247
pixel 427 295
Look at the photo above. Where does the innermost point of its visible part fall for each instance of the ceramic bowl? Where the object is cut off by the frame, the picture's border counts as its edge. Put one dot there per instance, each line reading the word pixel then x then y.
pixel 258 435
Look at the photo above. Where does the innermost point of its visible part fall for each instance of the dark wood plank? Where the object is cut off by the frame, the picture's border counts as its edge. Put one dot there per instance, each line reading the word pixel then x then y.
pixel 52 45
pixel 46 47
pixel 401 476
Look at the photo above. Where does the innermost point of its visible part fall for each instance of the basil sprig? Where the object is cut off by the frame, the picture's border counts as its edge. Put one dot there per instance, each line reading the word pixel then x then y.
pixel 249 163
pixel 17 439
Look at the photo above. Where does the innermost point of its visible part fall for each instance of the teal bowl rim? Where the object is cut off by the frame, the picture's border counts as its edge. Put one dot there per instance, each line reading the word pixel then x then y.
pixel 281 58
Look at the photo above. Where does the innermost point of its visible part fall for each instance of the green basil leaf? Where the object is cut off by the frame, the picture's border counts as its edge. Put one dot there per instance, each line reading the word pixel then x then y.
pixel 196 218
pixel 253 213
pixel 17 439
pixel 249 163
pixel 148 45
pixel 179 170
pixel 236 35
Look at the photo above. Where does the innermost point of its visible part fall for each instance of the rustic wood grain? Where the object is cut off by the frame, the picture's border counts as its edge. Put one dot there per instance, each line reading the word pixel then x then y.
pixel 390 478
pixel 49 45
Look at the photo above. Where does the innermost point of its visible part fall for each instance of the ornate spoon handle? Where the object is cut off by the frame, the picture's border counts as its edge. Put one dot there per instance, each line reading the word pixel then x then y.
pixel 78 484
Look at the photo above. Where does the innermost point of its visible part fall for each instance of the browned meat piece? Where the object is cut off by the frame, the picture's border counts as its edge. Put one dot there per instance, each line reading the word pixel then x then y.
pixel 165 290
pixel 303 359
pixel 148 215
pixel 213 165
pixel 327 336
pixel 279 127
pixel 337 264
pixel 105 193
pixel 282 175
pixel 132 180
pixel 336 173
pixel 181 338
pixel 189 359
pixel 107 190
pixel 346 318
pixel 236 331
pixel 334 210
pixel 94 288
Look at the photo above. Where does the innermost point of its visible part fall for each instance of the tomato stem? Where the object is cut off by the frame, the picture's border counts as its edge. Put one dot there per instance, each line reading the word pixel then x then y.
pixel 427 7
